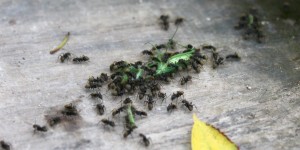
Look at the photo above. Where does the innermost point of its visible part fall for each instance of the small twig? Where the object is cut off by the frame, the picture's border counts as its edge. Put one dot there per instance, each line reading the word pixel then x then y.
pixel 62 44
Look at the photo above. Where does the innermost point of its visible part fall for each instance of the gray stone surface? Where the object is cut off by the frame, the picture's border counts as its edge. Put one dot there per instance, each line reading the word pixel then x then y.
pixel 33 83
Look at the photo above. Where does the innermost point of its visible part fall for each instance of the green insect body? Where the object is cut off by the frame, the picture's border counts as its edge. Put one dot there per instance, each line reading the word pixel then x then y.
pixel 130 116
pixel 139 74
pixel 124 79
pixel 251 19
pixel 163 68
pixel 185 56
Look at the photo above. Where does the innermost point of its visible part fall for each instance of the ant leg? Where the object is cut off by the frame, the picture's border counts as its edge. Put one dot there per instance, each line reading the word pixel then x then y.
pixel 196 108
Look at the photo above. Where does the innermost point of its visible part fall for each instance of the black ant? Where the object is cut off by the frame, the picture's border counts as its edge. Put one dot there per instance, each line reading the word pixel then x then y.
pixel 164 78
pixel 93 79
pixel 127 101
pixel 40 128
pixel 117 65
pixel 162 95
pixel 188 105
pixel 171 107
pixel 103 77
pixel 100 108
pixel 128 132
pixel 140 113
pixel 117 111
pixel 195 67
pixel 209 47
pixel 179 21
pixel 92 85
pixel 80 59
pixel 164 22
pixel 165 57
pixel 118 92
pixel 108 122
pixel 186 79
pixel 145 139
pixel 116 74
pixel 234 56
pixel 96 95
pixel 150 102
pixel 141 95
pixel 182 64
pixel 147 52
pixel 4 145
pixel 176 95
pixel 64 56
pixel 70 110
pixel 138 63
pixel 54 121
pixel 217 59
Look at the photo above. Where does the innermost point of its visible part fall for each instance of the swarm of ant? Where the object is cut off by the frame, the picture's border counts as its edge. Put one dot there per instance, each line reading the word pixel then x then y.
pixel 146 78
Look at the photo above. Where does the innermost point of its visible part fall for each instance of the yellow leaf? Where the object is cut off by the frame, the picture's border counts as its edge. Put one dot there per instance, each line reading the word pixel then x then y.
pixel 207 137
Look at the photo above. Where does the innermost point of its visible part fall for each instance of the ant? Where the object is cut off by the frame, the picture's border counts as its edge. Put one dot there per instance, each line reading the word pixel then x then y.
pixel 182 64
pixel 117 111
pixel 129 127
pixel 138 63
pixel 165 57
pixel 80 59
pixel 108 122
pixel 64 56
pixel 53 121
pixel 103 77
pixel 188 105
pixel 40 128
pixel 217 59
pixel 116 74
pixel 195 67
pixel 147 52
pixel 70 110
pixel 93 79
pixel 145 139
pixel 140 113
pixel 164 22
pixel 96 95
pixel 176 95
pixel 234 56
pixel 186 79
pixel 128 132
pixel 171 107
pixel 92 85
pixel 118 65
pixel 4 145
pixel 100 108
pixel 179 21
pixel 162 95
pixel 150 102
pixel 209 47
pixel 127 101
pixel 141 95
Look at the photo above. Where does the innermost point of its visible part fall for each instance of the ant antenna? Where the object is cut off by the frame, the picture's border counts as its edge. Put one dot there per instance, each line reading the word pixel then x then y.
pixel 151 45
pixel 171 39
pixel 174 33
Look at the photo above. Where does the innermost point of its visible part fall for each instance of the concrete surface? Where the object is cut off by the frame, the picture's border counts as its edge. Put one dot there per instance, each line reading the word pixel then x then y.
pixel 255 102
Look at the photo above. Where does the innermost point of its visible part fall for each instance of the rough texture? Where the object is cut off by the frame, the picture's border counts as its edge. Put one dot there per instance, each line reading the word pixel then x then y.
pixel 255 102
